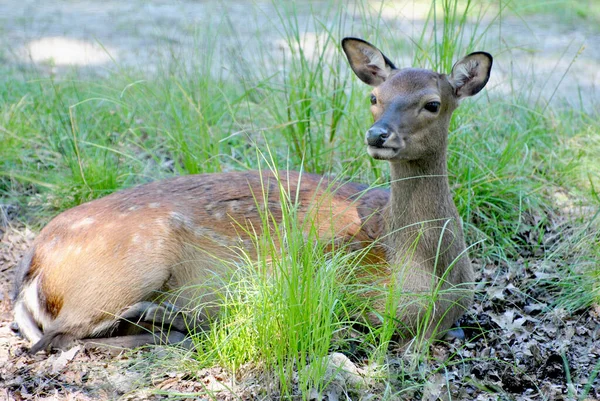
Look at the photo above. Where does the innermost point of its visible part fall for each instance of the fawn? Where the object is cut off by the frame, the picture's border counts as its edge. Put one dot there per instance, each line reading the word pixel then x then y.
pixel 99 266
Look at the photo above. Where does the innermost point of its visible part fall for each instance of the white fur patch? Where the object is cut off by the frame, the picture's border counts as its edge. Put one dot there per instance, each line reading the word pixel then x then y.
pixel 32 303
pixel 27 326
pixel 29 314
pixel 181 220
pixel 82 223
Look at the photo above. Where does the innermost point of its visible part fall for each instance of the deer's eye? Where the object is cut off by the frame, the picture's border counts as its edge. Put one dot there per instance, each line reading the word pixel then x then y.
pixel 432 107
pixel 373 99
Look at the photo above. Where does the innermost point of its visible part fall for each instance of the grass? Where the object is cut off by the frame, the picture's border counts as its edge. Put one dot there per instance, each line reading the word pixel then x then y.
pixel 69 140
pixel 571 11
pixel 284 310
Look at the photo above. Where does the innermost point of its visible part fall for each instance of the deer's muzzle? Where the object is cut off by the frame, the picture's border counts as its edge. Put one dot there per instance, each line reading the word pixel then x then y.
pixel 377 135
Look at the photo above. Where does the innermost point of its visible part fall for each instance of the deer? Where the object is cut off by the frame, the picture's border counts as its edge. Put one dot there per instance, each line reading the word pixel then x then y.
pixel 97 272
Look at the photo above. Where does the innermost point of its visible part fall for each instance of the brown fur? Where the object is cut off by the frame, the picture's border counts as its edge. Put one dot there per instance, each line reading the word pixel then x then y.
pixel 98 260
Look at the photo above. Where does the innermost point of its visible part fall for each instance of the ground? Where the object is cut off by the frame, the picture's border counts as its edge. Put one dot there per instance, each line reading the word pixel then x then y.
pixel 513 351
pixel 513 347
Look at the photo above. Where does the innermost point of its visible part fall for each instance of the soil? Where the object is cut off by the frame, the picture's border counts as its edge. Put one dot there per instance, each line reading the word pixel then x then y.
pixel 515 346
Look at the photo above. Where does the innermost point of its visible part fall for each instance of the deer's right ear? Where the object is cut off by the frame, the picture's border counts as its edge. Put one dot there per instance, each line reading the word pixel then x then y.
pixel 367 62
pixel 470 74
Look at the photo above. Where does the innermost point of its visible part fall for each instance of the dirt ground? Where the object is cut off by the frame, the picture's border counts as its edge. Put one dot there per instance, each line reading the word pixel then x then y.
pixel 522 351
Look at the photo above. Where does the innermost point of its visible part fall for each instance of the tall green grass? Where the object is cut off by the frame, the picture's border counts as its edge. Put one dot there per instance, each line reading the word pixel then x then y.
pixel 572 11
pixel 286 306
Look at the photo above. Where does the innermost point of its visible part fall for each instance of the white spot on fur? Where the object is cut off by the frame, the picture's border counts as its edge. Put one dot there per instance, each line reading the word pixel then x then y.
pixel 135 239
pixel 154 205
pixel 132 208
pixel 219 215
pixel 180 220
pixel 82 223
pixel 52 243
pixel 234 206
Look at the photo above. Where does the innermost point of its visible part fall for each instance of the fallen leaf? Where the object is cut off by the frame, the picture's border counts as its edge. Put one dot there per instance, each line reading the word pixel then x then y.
pixel 65 357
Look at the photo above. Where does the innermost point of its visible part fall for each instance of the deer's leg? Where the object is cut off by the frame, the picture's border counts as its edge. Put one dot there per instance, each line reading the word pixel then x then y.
pixel 166 324
pixel 160 315
pixel 163 323
pixel 117 344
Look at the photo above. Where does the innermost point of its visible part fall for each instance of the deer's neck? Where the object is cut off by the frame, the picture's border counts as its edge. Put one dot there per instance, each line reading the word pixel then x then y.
pixel 421 211
pixel 419 191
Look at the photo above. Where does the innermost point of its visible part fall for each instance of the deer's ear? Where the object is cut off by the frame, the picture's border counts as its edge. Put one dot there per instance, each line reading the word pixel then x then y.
pixel 470 74
pixel 367 62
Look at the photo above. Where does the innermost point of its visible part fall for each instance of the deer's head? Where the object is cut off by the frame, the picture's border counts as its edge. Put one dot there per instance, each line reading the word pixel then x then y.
pixel 412 107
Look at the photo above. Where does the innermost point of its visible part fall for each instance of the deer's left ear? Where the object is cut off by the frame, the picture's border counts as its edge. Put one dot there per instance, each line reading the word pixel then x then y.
pixel 367 61
pixel 470 74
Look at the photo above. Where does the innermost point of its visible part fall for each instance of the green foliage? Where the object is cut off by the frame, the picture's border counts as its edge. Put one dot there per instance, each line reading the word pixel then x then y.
pixel 284 305
pixel 572 11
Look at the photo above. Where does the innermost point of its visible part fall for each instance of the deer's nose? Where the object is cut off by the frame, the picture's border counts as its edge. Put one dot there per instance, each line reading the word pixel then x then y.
pixel 376 136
